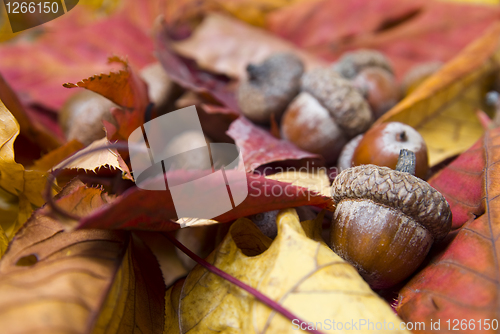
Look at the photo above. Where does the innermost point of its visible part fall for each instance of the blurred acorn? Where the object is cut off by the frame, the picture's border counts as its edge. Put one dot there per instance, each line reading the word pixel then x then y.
pixel 345 157
pixel 266 221
pixel 82 114
pixel 270 87
pixel 418 74
pixel 379 87
pixel 161 89
pixel 308 125
pixel 344 102
pixel 351 63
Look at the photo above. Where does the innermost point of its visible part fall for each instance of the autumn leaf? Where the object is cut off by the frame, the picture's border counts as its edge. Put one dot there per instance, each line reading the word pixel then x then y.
pixel 408 32
pixel 153 210
pixel 461 183
pixel 36 133
pixel 188 75
pixel 60 57
pixel 443 108
pixel 126 89
pixel 258 147
pixel 238 45
pixel 105 158
pixel 315 180
pixel 462 281
pixel 322 287
pixel 4 242
pixel 54 157
pixel 20 189
pixel 81 281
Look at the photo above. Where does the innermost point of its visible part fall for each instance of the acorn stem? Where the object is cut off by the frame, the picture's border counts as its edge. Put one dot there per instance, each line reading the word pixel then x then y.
pixel 406 161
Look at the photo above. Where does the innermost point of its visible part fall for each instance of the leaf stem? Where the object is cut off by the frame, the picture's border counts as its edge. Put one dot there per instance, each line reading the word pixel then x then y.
pixel 256 293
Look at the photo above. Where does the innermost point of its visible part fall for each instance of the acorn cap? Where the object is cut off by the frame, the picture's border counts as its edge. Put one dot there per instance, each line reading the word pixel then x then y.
pixel 401 191
pixel 351 63
pixel 342 100
pixel 270 87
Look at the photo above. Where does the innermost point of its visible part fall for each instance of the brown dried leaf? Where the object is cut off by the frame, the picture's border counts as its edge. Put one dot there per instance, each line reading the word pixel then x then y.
pixel 106 158
pixel 56 281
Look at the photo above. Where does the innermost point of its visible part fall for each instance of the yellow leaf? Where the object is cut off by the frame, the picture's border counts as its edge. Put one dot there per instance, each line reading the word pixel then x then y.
pixel 4 242
pixel 19 187
pixel 54 157
pixel 303 275
pixel 443 108
pixel 99 281
pixel 315 181
pixel 253 11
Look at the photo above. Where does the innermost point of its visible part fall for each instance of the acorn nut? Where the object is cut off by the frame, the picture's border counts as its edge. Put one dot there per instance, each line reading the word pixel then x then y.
pixel 82 114
pixel 382 143
pixel 308 125
pixel 379 87
pixel 270 87
pixel 385 222
pixel 343 101
pixel 351 63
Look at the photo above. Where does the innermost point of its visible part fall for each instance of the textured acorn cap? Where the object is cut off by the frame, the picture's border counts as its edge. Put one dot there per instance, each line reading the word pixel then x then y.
pixel 351 63
pixel 343 101
pixel 270 87
pixel 401 191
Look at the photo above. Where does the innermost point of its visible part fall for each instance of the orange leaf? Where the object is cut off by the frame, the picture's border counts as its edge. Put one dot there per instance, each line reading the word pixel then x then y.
pixel 126 89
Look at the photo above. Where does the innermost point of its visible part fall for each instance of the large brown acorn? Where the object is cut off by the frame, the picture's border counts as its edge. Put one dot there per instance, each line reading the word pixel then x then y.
pixel 386 221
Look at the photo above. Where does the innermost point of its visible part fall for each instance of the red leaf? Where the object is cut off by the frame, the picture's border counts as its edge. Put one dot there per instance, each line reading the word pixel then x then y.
pixel 75 45
pixel 407 32
pixel 152 210
pixel 462 282
pixel 461 183
pixel 259 147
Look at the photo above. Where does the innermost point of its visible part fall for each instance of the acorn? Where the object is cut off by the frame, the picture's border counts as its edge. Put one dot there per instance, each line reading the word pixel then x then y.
pixel 379 87
pixel 351 63
pixel 418 74
pixel 266 221
pixel 161 89
pixel 82 114
pixel 346 105
pixel 345 158
pixel 381 146
pixel 308 125
pixel 385 222
pixel 270 87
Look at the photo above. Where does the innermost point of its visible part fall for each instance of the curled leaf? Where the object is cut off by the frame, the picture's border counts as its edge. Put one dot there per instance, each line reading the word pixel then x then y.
pixel 105 158
pixel 126 89
pixel 20 189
